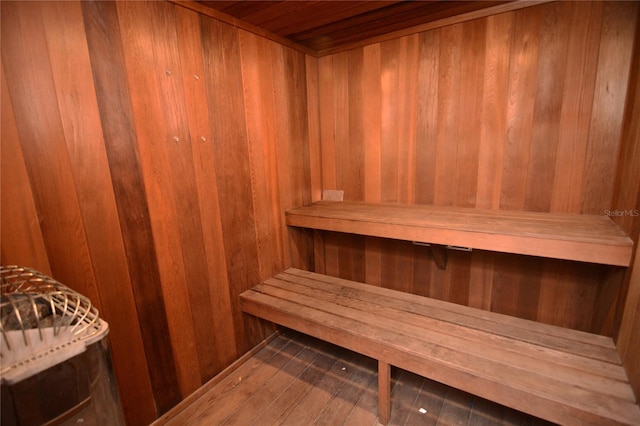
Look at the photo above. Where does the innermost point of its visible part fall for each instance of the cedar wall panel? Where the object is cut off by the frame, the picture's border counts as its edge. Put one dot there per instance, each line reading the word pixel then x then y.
pixel 517 111
pixel 148 155
pixel 627 214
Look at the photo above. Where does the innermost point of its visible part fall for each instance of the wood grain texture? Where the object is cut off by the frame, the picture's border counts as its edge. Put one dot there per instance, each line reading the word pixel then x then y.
pixel 337 387
pixel 313 112
pixel 156 130
pixel 626 197
pixel 586 238
pixel 224 79
pixel 163 235
pixel 293 147
pixel 22 241
pixel 88 159
pixel 42 138
pixel 217 301
pixel 329 27
pixel 168 160
pixel 114 102
pixel 561 375
pixel 504 119
pixel 614 61
pixel 585 26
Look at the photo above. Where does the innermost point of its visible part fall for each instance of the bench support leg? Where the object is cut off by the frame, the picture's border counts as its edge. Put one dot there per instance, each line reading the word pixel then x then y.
pixel 384 392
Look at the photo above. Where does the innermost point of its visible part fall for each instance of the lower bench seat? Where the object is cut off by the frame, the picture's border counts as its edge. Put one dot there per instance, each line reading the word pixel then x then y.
pixel 561 375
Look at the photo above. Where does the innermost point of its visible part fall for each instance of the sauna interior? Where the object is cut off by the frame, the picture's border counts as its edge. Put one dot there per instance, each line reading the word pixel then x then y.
pixel 150 151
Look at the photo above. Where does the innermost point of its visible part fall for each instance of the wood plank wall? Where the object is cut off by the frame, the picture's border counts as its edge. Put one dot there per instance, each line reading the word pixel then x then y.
pixel 151 172
pixel 519 111
pixel 148 155
pixel 627 208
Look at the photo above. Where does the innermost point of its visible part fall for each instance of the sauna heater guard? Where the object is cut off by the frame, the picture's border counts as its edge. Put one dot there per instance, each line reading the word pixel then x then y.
pixel 55 363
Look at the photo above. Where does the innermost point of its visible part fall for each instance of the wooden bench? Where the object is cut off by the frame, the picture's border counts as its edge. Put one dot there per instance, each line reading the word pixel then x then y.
pixel 584 238
pixel 561 375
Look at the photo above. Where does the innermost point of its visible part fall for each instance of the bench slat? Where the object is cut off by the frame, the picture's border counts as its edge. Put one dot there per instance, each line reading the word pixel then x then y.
pixel 534 379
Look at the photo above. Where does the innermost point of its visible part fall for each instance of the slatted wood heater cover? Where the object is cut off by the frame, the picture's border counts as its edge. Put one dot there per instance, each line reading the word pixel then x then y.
pixel 55 364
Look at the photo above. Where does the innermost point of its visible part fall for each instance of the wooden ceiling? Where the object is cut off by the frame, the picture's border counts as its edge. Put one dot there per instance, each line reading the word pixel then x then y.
pixel 324 26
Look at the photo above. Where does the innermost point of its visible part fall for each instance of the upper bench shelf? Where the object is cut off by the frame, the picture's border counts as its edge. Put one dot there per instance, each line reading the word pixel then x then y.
pixel 584 238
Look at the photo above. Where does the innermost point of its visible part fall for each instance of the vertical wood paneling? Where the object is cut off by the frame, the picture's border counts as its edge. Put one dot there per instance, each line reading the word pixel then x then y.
pixel 259 67
pixel 406 116
pixel 313 113
pixel 114 103
pixel 618 27
pixel 88 160
pixel 22 241
pixel 470 110
pixel 156 153
pixel 499 38
pixel 353 145
pixel 427 114
pixel 223 73
pixel 293 160
pixel 496 113
pixel 388 123
pixel 182 175
pixel 449 102
pixel 349 150
pixel 550 77
pixel 371 73
pixel 493 113
pixel 398 92
pixel 624 17
pixel 335 140
pixel 258 98
pixel 372 100
pixel 327 137
pixel 168 149
pixel 575 115
pixel 215 302
pixel 627 199
pixel 521 94
pixel 42 139
pixel 342 125
pixel 426 148
pixel 181 172
pixel 171 146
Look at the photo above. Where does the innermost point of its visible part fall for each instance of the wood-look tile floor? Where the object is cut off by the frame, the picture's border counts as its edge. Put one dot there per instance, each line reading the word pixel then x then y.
pixel 297 380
